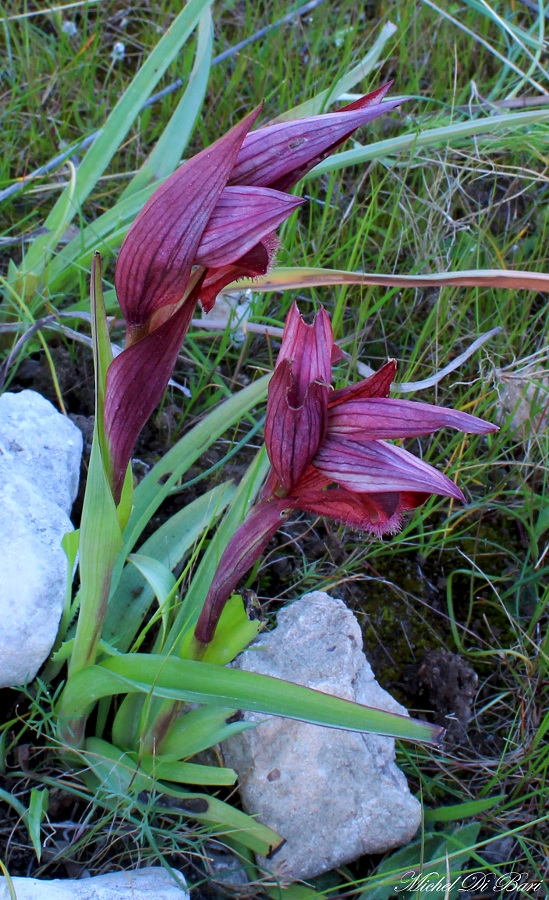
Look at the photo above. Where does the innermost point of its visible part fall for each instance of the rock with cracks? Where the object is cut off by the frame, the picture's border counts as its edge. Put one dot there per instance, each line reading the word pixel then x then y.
pixel 151 882
pixel 333 795
pixel 39 468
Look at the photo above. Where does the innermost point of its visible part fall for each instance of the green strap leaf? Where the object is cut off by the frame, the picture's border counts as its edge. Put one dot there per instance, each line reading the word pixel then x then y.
pixel 160 578
pixel 485 130
pixel 115 776
pixel 38 807
pixel 205 683
pixel 57 222
pixel 186 773
pixel 165 475
pixel 199 586
pixel 199 730
pixel 130 603
pixel 168 150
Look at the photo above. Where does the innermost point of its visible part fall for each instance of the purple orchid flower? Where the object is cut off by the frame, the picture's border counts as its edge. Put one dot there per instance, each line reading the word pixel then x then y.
pixel 210 223
pixel 329 454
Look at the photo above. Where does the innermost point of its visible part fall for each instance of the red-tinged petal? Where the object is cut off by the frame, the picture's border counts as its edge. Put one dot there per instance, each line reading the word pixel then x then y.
pixel 271 487
pixel 312 480
pixel 309 347
pixel 136 380
pixel 376 513
pixel 242 551
pixel 337 354
pixel 293 434
pixel 254 263
pixel 370 99
pixel 375 419
pixel 377 467
pixel 157 255
pixel 279 155
pixel 412 499
pixel 377 385
pixel 242 217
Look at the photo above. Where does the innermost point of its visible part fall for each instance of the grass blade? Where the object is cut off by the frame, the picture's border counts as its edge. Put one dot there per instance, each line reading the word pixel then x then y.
pixel 38 807
pixel 347 82
pixel 485 130
pixel 459 811
pixel 116 777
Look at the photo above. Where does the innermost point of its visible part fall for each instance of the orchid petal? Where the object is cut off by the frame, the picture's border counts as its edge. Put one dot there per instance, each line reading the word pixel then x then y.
pixel 157 255
pixel 293 434
pixel 376 513
pixel 412 499
pixel 374 419
pixel 255 262
pixel 279 155
pixel 310 349
pixel 376 385
pixel 370 99
pixel 241 218
pixel 136 380
pixel 377 467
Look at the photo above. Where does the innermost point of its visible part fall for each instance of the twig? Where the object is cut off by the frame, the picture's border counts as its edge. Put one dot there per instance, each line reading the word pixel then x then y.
pixel 52 322
pixel 409 386
pixel 300 11
pixel 510 103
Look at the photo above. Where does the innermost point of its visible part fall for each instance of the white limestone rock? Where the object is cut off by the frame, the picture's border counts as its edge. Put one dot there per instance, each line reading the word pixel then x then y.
pixel 151 882
pixel 40 444
pixel 33 582
pixel 39 467
pixel 333 795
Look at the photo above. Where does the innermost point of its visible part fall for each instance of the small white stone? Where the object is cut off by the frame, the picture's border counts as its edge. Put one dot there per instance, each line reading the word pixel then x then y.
pixel 69 28
pixel 141 884
pixel 235 307
pixel 333 795
pixel 118 51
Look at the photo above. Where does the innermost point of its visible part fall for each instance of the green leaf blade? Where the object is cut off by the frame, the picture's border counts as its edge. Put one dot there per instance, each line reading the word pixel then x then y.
pixel 206 683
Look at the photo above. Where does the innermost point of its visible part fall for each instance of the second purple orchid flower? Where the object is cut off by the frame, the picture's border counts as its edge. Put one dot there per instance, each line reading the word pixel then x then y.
pixel 329 454
pixel 211 222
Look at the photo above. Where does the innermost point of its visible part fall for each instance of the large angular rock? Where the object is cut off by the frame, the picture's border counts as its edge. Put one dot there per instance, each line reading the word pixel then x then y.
pixel 39 466
pixel 151 882
pixel 333 795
